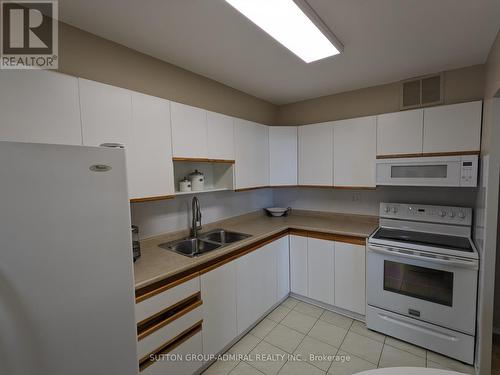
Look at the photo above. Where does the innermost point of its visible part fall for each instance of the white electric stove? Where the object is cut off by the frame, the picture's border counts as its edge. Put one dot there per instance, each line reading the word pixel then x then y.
pixel 422 270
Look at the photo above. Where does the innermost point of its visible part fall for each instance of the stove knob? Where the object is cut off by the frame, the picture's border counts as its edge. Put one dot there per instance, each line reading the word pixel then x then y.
pixel 442 213
pixel 394 210
pixel 387 209
pixel 451 214
pixel 461 215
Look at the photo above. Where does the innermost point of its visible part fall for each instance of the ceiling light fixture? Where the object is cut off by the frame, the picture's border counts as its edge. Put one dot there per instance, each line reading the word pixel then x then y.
pixel 294 24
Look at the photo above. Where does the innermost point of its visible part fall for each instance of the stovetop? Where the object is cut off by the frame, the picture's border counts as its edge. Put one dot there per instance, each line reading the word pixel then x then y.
pixel 443 241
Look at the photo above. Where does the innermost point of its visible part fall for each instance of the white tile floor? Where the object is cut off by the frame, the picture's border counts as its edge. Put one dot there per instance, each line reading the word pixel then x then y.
pixel 341 346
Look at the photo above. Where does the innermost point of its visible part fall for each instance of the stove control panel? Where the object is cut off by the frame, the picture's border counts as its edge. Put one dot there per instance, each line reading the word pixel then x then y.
pixel 427 213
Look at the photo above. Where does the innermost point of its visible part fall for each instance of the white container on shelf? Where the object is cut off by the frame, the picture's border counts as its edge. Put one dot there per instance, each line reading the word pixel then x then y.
pixel 184 185
pixel 197 180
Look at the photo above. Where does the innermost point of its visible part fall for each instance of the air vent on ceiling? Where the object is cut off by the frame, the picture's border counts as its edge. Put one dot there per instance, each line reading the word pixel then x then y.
pixel 422 91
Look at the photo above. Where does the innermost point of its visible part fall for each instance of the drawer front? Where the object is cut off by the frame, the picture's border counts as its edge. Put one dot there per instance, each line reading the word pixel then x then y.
pixel 177 363
pixel 159 302
pixel 168 332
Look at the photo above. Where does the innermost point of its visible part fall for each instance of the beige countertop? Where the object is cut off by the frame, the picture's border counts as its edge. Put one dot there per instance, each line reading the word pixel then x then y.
pixel 156 264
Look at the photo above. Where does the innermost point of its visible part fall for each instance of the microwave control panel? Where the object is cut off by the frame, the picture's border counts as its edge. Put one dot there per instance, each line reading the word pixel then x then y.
pixel 468 171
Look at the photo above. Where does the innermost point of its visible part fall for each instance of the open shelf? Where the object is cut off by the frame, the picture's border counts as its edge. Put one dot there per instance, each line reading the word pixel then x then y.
pixel 219 175
pixel 201 191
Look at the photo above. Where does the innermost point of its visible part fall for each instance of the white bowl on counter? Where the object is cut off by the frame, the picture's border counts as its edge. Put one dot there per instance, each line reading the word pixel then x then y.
pixel 278 211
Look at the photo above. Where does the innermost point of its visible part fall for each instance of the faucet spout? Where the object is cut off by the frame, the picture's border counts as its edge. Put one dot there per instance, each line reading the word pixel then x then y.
pixel 196 217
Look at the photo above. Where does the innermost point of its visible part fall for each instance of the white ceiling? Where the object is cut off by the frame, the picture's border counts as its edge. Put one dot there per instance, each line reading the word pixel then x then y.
pixel 385 41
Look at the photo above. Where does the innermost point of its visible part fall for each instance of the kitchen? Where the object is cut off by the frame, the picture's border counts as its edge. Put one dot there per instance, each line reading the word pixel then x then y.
pixel 265 212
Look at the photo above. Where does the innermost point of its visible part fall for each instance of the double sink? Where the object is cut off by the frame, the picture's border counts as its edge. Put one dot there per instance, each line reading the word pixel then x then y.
pixel 213 240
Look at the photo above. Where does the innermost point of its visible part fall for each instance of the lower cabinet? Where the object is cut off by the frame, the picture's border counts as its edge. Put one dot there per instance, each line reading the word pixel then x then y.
pixel 320 270
pixel 350 277
pixel 282 256
pixel 328 271
pixel 298 265
pixel 256 285
pixel 218 292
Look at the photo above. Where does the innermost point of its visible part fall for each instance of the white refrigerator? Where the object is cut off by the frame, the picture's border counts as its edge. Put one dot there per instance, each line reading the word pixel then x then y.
pixel 66 269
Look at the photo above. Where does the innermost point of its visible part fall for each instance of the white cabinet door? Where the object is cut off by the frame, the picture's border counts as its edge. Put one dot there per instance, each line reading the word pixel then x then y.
pixel 106 114
pixel 149 156
pixel 350 277
pixel 453 128
pixel 283 155
pixel 38 106
pixel 189 131
pixel 251 153
pixel 400 132
pixel 282 254
pixel 298 265
pixel 256 286
pixel 218 292
pixel 320 270
pixel 354 152
pixel 220 136
pixel 316 154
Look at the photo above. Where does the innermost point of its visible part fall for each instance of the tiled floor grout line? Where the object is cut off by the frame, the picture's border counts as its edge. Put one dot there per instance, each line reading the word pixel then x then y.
pixel 340 346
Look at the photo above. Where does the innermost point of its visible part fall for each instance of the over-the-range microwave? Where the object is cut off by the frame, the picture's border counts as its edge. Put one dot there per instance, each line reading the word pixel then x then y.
pixel 458 171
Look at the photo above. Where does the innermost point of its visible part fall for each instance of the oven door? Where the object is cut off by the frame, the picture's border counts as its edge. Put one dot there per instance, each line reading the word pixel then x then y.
pixel 438 291
pixel 428 171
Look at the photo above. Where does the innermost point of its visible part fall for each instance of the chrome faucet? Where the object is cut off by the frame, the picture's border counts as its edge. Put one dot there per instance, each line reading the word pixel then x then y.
pixel 196 214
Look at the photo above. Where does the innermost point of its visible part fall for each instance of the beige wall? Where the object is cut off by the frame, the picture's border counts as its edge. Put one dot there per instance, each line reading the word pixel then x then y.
pixel 86 55
pixel 460 85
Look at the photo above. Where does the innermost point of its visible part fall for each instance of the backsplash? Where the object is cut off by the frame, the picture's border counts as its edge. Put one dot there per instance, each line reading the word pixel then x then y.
pixel 155 218
pixel 366 202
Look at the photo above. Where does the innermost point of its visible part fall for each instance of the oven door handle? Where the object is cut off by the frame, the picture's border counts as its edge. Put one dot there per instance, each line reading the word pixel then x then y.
pixel 410 254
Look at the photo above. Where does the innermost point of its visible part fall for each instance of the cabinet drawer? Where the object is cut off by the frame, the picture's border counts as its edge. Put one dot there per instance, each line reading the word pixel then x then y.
pixel 168 325
pixel 159 301
pixel 176 363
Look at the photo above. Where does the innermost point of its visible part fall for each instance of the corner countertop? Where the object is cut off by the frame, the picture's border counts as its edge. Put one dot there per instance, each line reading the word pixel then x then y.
pixel 156 264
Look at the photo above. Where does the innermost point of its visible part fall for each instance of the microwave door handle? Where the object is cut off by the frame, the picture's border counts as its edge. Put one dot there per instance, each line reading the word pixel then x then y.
pixel 409 254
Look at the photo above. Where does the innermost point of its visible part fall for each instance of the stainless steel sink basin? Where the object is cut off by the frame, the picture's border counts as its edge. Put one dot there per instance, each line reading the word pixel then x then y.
pixel 223 237
pixel 209 241
pixel 190 247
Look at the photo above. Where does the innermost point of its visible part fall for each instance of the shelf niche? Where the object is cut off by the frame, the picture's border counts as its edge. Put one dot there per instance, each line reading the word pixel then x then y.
pixel 219 175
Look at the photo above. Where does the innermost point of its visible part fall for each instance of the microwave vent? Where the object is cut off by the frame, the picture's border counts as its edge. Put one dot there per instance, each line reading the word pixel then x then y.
pixel 422 91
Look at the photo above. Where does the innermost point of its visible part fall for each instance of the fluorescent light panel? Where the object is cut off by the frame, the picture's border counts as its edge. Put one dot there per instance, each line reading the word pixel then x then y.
pixel 287 23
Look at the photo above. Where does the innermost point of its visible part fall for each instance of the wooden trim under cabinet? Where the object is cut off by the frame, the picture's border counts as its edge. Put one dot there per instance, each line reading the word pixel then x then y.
pixel 163 285
pixel 150 199
pixel 252 188
pixel 170 345
pixel 329 236
pixel 204 160
pixel 168 315
pixel 428 154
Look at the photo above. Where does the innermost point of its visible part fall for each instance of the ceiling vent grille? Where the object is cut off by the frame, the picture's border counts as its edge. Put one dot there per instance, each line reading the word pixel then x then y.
pixel 422 91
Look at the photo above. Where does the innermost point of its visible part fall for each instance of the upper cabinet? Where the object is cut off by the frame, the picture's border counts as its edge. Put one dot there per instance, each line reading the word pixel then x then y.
pixel 453 128
pixel 400 133
pixel 354 152
pixel 189 131
pixel 141 123
pixel 201 134
pixel 251 141
pixel 39 106
pixel 283 155
pixel 220 137
pixel 149 156
pixel 315 159
pixel 106 114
